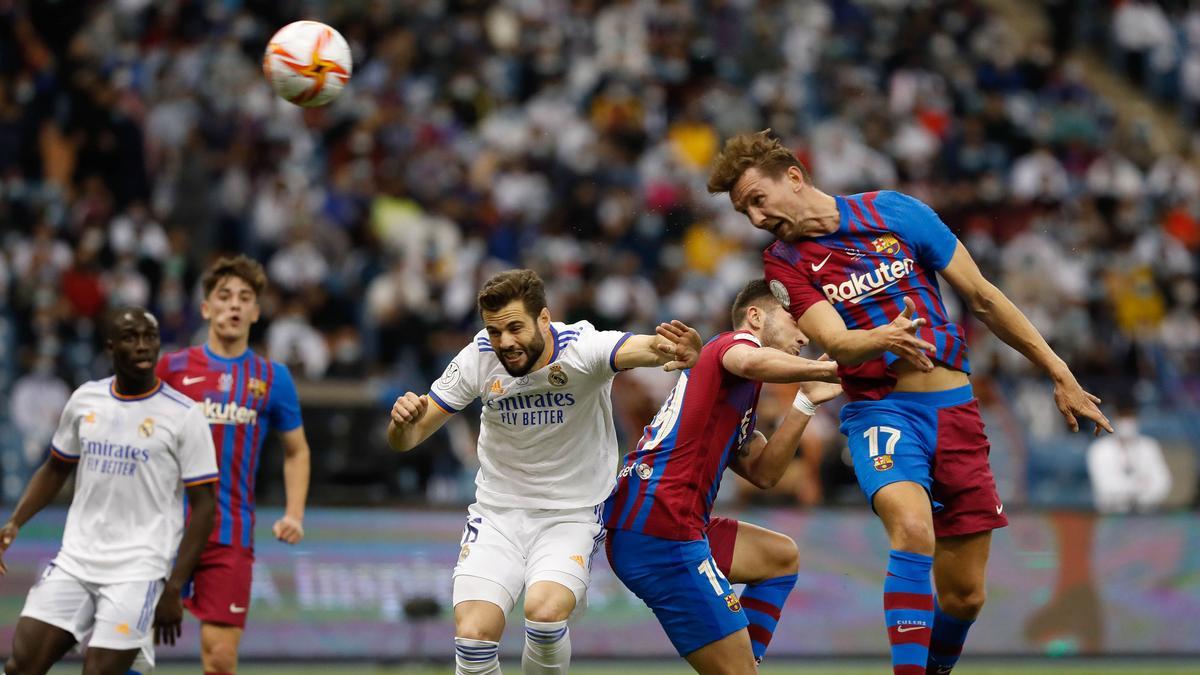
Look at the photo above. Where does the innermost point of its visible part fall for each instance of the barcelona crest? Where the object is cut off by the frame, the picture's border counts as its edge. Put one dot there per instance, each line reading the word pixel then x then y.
pixel 256 387
pixel 884 462
pixel 731 601
pixel 887 244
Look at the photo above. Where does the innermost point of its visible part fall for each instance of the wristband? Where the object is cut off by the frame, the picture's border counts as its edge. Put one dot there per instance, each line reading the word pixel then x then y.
pixel 803 405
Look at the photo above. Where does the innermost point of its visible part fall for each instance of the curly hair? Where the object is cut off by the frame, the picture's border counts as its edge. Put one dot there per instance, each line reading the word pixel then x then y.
pixel 759 150
pixel 242 267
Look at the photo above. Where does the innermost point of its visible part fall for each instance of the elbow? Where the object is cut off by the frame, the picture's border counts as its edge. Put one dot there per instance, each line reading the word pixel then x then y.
pixel 982 302
pixel 761 480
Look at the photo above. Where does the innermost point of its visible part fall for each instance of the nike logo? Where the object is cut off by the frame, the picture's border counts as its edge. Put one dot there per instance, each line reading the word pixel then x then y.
pixel 233 608
pixel 189 381
pixel 817 268
pixel 999 509
pixel 907 629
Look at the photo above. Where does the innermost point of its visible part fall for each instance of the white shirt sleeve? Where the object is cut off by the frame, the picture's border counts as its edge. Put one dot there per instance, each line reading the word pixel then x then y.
pixel 65 443
pixel 458 386
pixel 196 453
pixel 598 348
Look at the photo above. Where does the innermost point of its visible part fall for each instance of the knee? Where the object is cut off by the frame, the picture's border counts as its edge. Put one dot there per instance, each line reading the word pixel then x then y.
pixel 546 610
pixel 471 630
pixel 912 534
pixel 784 556
pixel 963 604
pixel 220 657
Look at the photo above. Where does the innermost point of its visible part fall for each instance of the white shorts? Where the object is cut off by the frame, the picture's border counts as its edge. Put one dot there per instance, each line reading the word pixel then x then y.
pixel 515 548
pixel 117 616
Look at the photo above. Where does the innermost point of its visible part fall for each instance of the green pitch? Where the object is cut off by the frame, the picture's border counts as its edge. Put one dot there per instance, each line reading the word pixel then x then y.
pixel 990 667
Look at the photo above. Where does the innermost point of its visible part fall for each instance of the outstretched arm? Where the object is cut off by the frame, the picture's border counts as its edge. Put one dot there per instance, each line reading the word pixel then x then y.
pixel 414 420
pixel 765 364
pixel 762 461
pixel 1007 322
pixel 674 346
pixel 47 481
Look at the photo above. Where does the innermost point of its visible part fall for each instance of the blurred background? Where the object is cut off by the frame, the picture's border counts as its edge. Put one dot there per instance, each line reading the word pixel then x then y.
pixel 1059 139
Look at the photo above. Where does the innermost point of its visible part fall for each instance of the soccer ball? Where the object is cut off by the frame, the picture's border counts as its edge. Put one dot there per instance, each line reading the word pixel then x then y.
pixel 307 63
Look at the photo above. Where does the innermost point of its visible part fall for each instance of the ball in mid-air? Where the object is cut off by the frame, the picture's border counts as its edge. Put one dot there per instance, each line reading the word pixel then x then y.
pixel 307 63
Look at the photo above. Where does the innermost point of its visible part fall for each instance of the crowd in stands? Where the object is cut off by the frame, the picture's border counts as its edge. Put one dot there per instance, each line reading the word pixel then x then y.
pixel 138 140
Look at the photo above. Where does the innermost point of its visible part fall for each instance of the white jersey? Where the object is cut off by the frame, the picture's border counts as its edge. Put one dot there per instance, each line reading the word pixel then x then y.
pixel 135 455
pixel 546 439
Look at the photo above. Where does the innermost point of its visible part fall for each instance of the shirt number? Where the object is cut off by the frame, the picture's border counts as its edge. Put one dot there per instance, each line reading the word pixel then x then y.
pixel 709 569
pixel 872 436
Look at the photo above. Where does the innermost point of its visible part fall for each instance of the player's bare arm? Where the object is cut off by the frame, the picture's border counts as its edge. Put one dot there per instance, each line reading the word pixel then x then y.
pixel 766 364
pixel 1007 322
pixel 763 461
pixel 47 481
pixel 825 326
pixel 168 614
pixel 413 420
pixel 296 468
pixel 674 346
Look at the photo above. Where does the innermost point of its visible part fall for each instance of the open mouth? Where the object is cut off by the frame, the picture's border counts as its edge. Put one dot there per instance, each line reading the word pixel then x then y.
pixel 513 357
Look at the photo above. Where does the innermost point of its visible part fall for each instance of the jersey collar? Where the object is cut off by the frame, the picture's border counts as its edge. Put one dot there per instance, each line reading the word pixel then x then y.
pixel 112 389
pixel 224 359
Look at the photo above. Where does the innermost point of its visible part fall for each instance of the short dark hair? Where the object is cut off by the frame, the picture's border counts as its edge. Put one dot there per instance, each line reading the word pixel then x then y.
pixel 247 269
pixel 756 292
pixel 758 150
pixel 112 315
pixel 503 288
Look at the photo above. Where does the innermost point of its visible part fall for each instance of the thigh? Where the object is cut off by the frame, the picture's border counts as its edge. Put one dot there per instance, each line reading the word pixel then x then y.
pixel 220 588
pixel 125 617
pixel 38 645
pixel 960 563
pixel 754 553
pixel 731 655
pixel 491 551
pixel 962 476
pixel 681 583
pixel 890 442
pixel 562 546
pixel 62 601
pixel 101 661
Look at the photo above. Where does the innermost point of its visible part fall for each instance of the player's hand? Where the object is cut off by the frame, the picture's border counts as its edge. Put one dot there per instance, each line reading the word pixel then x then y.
pixel 7 534
pixel 900 338
pixel 289 530
pixel 820 392
pixel 1073 401
pixel 168 616
pixel 408 409
pixel 681 343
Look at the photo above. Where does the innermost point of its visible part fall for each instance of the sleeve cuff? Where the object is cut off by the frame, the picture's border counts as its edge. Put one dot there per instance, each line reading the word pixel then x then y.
pixel 446 407
pixel 201 480
pixel 63 456
pixel 612 357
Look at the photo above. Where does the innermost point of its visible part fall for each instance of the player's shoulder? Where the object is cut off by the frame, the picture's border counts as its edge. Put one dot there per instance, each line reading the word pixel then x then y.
pixel 177 361
pixel 892 204
pixel 782 251
pixel 94 389
pixel 730 336
pixel 173 398
pixel 481 344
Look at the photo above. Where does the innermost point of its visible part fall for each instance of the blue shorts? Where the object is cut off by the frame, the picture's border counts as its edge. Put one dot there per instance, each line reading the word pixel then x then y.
pixel 680 582
pixel 934 439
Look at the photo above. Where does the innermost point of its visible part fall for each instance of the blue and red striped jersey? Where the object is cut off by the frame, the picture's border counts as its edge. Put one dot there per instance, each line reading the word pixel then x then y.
pixel 243 398
pixel 666 486
pixel 888 246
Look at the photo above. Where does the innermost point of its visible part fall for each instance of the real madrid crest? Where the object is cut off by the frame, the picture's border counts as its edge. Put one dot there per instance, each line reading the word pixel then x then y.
pixel 146 428
pixel 557 377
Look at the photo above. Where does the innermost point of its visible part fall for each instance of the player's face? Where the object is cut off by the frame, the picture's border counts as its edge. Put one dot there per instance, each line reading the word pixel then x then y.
pixel 231 308
pixel 781 332
pixel 516 336
pixel 133 344
pixel 774 204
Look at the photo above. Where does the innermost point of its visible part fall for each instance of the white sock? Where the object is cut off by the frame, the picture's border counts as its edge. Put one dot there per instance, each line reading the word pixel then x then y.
pixel 547 648
pixel 476 657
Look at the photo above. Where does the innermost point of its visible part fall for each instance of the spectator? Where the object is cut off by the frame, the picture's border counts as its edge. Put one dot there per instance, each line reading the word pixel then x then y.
pixel 1127 470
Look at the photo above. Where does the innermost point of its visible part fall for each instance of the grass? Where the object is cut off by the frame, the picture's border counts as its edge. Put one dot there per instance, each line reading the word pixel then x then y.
pixel 815 667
